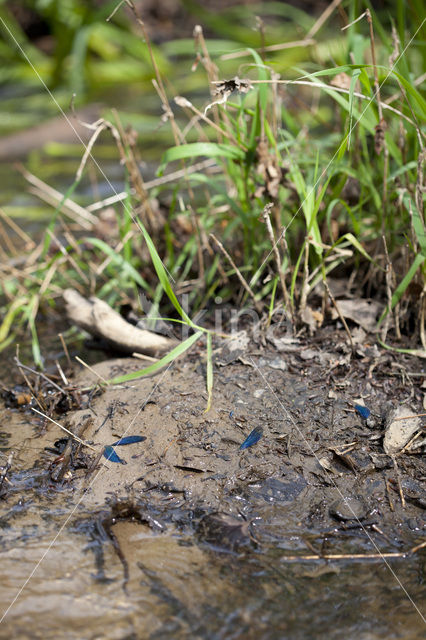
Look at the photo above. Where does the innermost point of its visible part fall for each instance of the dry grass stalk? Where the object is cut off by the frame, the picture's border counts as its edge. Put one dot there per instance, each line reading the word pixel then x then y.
pixel 240 276
pixel 69 207
pixel 267 219
pixel 342 319
pixel 273 47
pixel 30 244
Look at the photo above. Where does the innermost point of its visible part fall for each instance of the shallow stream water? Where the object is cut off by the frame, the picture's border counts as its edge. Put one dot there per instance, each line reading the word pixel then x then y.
pixel 195 538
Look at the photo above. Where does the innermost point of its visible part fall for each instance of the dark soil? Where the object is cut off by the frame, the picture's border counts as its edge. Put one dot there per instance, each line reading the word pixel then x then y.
pixel 314 495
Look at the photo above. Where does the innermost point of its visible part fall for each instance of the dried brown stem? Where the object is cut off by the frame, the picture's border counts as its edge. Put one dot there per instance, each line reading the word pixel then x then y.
pixel 267 219
pixel 339 313
pixel 241 278
pixel 398 479
pixel 69 207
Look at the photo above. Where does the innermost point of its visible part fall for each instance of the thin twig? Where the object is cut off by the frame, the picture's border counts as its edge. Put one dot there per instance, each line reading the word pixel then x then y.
pixel 98 375
pixel 29 385
pixel 322 19
pixel 39 374
pixel 17 229
pixel 339 313
pixel 7 241
pixel 398 479
pixel 157 182
pixel 158 82
pixel 101 126
pixel 389 495
pixel 418 547
pixel 184 102
pixel 416 415
pixel 349 556
pixel 61 373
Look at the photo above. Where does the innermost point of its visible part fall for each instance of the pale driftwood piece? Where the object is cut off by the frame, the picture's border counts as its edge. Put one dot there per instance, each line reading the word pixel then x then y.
pixel 97 318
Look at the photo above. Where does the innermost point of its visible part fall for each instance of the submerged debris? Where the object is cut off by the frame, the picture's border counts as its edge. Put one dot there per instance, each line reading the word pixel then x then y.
pixel 224 530
pixel 349 508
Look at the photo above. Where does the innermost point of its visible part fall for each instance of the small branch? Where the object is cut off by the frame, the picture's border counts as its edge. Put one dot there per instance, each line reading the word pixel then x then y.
pixel 38 373
pixel 352 556
pixel 95 373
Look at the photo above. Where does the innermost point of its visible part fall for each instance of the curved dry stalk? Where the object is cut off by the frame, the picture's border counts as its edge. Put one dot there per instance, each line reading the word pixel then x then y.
pixel 238 273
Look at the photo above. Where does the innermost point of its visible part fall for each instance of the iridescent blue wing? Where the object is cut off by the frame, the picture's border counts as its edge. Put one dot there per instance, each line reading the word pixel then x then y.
pixel 110 455
pixel 364 412
pixel 128 440
pixel 252 438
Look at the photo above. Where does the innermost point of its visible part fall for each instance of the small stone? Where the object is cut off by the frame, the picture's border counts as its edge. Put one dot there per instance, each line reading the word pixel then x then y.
pixel 349 508
pixel 401 426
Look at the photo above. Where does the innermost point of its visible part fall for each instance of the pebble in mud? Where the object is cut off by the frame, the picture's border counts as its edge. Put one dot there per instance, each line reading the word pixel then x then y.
pixel 349 508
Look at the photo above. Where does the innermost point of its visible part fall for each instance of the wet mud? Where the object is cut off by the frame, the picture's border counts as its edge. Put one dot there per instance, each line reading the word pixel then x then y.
pixel 312 531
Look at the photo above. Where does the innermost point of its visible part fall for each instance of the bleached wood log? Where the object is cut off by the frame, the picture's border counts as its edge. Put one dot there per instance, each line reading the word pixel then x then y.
pixel 97 318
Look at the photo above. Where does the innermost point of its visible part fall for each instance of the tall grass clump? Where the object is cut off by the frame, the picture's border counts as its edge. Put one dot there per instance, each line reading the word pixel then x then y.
pixel 287 173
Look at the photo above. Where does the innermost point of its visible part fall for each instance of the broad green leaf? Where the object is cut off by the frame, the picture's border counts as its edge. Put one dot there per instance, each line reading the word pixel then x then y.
pixel 196 149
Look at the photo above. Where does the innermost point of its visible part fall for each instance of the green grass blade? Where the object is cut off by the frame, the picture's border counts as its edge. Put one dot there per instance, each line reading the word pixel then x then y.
pixel 401 288
pixel 153 368
pixel 412 91
pixel 355 76
pixel 417 221
pixel 355 243
pixel 14 309
pixel 195 149
pixel 162 275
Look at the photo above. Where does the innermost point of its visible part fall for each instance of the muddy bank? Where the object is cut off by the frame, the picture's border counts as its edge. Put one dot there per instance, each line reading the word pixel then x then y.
pixel 189 535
